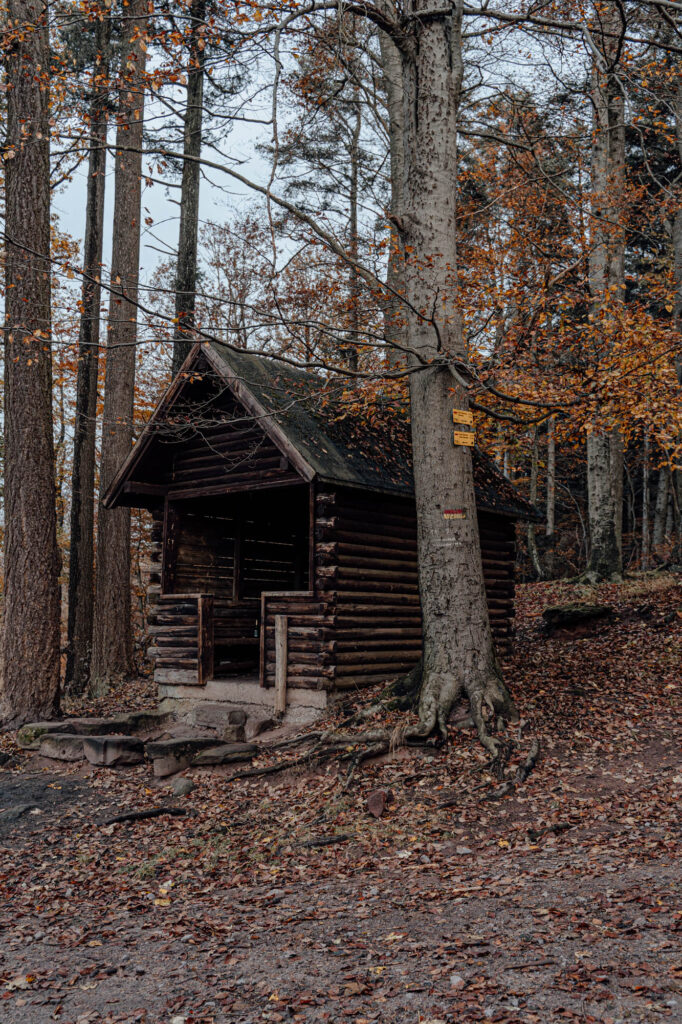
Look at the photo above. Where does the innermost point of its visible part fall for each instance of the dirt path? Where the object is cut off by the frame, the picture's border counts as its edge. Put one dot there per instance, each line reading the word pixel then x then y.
pixel 551 942
pixel 561 903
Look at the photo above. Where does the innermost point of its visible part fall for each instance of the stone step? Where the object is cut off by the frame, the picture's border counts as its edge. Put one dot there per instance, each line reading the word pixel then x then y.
pixel 226 753
pixel 62 746
pixel 171 756
pixel 112 751
pixel 29 736
pixel 227 721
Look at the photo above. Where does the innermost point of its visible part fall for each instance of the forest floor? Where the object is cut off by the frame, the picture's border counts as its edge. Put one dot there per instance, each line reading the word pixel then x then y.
pixel 558 903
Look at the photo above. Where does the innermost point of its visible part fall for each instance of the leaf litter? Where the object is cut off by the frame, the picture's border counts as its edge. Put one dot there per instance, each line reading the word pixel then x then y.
pixel 283 898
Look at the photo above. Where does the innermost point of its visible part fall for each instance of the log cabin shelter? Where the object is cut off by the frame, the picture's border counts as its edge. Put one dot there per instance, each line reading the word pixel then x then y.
pixel 284 537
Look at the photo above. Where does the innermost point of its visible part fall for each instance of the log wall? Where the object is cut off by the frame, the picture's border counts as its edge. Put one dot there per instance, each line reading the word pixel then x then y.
pixel 366 571
pixel 310 649
pixel 216 450
pixel 359 624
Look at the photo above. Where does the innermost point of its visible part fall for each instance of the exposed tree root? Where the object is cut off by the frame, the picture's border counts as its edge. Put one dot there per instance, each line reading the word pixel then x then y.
pixel 438 694
pixel 152 812
pixel 403 694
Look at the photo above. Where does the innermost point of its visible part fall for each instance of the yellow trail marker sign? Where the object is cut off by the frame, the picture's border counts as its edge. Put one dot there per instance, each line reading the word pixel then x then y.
pixel 464 437
pixel 463 416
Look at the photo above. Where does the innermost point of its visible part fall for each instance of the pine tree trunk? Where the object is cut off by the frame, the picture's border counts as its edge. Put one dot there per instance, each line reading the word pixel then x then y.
pixel 186 270
pixel 351 353
pixel 677 264
pixel 458 645
pixel 395 321
pixel 551 492
pixel 30 686
pixel 606 275
pixel 82 545
pixel 532 542
pixel 112 635
pixel 646 539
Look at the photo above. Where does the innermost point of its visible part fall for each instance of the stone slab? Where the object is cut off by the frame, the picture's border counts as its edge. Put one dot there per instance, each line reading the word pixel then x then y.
pixel 225 753
pixel 111 751
pixel 258 723
pixel 171 756
pixel 62 746
pixel 142 721
pixel 30 735
pixel 216 714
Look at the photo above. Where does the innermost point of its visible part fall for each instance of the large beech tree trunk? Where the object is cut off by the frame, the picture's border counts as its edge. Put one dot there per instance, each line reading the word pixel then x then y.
pixel 458 644
pixel 186 269
pixel 82 543
pixel 112 636
pixel 31 620
pixel 606 274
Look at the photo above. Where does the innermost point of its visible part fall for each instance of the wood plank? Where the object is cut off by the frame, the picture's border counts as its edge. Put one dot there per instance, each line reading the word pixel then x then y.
pixel 281 654
pixel 206 637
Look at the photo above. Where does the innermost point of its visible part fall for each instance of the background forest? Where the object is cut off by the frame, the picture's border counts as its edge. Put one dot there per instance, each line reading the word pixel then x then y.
pixel 196 170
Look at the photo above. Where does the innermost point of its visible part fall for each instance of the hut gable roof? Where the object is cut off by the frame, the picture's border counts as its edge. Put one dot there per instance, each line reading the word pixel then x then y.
pixel 328 439
pixel 342 450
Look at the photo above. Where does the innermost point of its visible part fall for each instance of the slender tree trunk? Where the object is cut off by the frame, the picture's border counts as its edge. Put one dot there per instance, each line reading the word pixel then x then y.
pixel 677 263
pixel 661 510
pixel 395 319
pixel 353 276
pixel 532 542
pixel 670 516
pixel 30 685
pixel 606 275
pixel 186 271
pixel 112 635
pixel 458 645
pixel 551 492
pixel 646 539
pixel 81 558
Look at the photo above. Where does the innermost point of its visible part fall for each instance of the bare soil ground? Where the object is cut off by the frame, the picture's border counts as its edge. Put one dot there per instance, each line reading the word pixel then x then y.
pixel 559 903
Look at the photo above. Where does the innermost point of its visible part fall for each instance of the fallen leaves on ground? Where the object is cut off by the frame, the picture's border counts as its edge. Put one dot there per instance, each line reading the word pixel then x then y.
pixel 284 899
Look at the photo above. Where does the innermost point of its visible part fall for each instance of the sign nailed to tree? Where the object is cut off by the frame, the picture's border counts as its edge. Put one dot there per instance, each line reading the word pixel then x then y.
pixel 463 416
pixel 464 437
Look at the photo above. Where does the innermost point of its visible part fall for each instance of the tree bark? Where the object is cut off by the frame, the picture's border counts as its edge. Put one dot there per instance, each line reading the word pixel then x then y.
pixel 677 264
pixel 112 635
pixel 551 492
pixel 186 270
pixel 646 539
pixel 532 542
pixel 353 342
pixel 606 278
pixel 395 322
pixel 30 686
pixel 458 644
pixel 661 509
pixel 82 544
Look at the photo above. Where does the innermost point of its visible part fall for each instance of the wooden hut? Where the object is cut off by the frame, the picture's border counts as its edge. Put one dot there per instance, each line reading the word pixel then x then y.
pixel 284 536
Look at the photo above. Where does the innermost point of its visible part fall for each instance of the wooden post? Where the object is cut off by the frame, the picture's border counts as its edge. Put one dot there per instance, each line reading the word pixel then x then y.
pixel 281 624
pixel 237 564
pixel 205 638
pixel 169 554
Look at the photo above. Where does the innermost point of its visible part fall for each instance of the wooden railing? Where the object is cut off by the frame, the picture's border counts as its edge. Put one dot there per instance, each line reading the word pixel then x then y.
pixel 294 649
pixel 183 629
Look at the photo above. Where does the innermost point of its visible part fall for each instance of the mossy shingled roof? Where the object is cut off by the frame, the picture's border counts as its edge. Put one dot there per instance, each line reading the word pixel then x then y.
pixel 331 434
